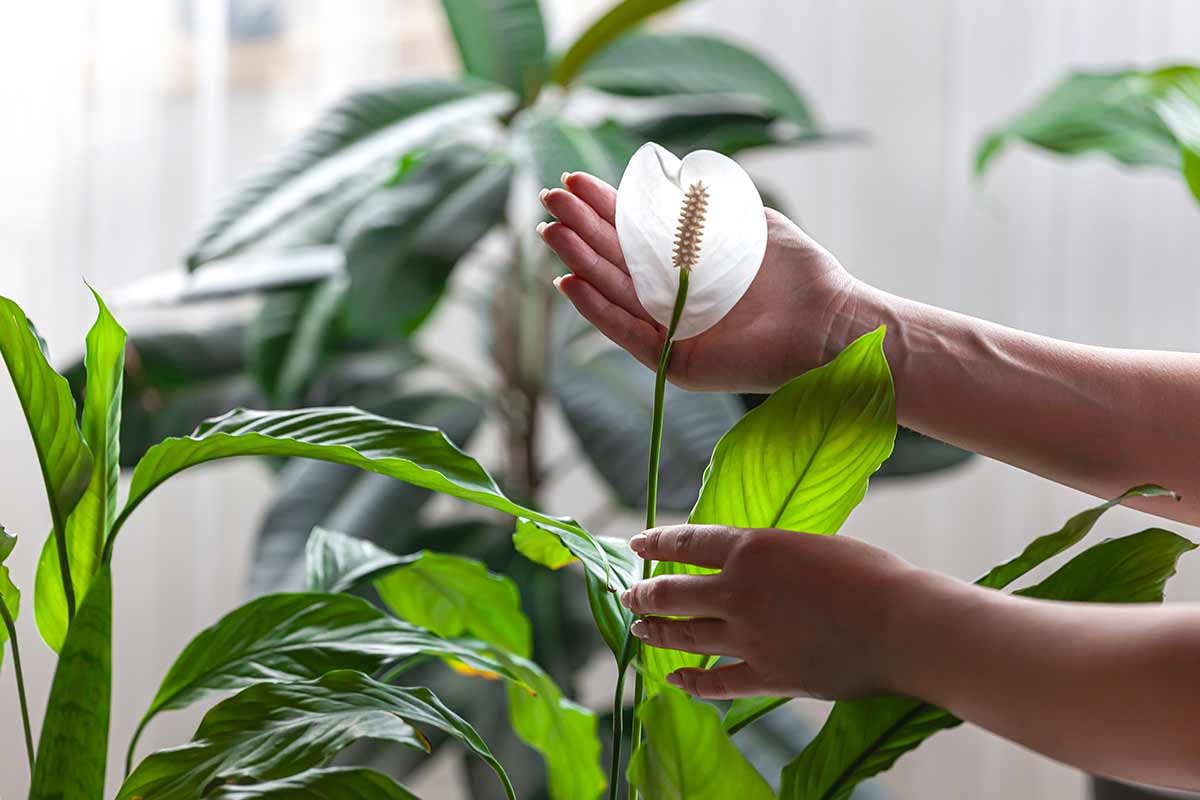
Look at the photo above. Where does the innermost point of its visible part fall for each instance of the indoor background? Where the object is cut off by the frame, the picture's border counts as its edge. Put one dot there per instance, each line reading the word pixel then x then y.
pixel 125 122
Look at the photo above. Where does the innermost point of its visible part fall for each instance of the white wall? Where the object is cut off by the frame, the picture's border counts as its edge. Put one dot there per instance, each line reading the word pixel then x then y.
pixel 119 133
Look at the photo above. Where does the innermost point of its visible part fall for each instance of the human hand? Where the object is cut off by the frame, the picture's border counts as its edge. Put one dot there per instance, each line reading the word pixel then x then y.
pixel 808 615
pixel 777 330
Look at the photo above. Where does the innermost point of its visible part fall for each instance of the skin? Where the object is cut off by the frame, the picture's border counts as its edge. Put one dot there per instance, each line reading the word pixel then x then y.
pixel 1107 688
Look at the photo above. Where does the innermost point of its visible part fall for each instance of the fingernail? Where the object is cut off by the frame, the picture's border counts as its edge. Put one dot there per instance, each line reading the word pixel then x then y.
pixel 557 282
pixel 541 228
pixel 542 195
pixel 638 629
pixel 564 177
pixel 638 543
pixel 674 679
pixel 627 598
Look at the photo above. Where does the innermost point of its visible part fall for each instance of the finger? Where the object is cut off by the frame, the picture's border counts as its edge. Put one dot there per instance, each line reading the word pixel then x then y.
pixel 675 596
pixel 702 545
pixel 585 262
pixel 639 337
pixel 720 683
pixel 595 192
pixel 599 233
pixel 710 637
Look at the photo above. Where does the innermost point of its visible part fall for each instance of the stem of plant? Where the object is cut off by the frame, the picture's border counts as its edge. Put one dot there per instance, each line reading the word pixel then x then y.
pixel 618 724
pixel 656 427
pixel 16 654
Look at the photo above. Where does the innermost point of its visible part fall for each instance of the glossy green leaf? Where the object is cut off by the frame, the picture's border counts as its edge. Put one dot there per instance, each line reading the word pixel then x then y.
pixel 800 461
pixel 643 64
pixel 403 242
pixel 297 636
pixel 862 738
pixel 564 732
pixel 746 710
pixel 336 562
pixel 7 542
pixel 550 146
pixel 501 40
pixel 541 546
pixel 291 337
pixel 89 523
pixel 10 596
pixel 421 456
pixel 730 132
pixel 456 596
pixel 330 783
pixel 312 494
pixel 607 402
pixel 45 398
pixel 275 730
pixel 1140 118
pixel 359 135
pixel 616 21
pixel 73 749
pixel 687 755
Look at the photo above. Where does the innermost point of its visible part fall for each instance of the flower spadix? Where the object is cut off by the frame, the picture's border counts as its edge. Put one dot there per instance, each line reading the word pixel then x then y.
pixel 701 214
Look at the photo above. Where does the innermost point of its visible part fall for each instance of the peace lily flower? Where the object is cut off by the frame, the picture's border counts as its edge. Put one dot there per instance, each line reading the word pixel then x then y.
pixel 703 215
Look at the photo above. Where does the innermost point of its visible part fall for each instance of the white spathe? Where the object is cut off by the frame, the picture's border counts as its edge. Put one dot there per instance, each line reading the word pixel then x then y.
pixel 734 239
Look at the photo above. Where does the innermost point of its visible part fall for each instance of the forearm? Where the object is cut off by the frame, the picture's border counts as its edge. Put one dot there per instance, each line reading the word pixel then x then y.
pixel 1098 419
pixel 1110 689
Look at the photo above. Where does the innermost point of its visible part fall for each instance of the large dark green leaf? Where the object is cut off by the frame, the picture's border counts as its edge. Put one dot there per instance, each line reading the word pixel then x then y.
pixel 728 131
pixel 73 749
pixel 616 21
pixel 643 64
pixel 1149 118
pixel 452 595
pixel 501 40
pixel 402 243
pixel 45 397
pixel 297 636
pixel 862 738
pixel 88 524
pixel 335 562
pixel 418 455
pixel 331 783
pixel 291 336
pixel 274 730
pixel 687 755
pixel 337 154
pixel 800 461
pixel 550 146
pixel 607 402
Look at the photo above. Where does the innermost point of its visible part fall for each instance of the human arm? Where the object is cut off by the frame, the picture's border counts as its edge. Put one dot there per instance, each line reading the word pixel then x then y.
pixel 1097 419
pixel 1106 688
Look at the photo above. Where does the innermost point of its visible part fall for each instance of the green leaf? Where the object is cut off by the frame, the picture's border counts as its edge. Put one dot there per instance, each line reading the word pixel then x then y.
pixel 862 738
pixel 541 546
pixel 746 710
pixel 418 455
pixel 1070 534
pixel 7 542
pixel 644 65
pixel 291 337
pixel 687 755
pixel 331 783
pixel 339 153
pixel 1149 118
pixel 549 146
pixel 298 636
pixel 10 596
pixel 800 461
pixel 403 242
pixel 89 523
pixel 456 596
pixel 312 494
pixel 338 563
pixel 607 402
pixel 563 732
pixel 45 397
pixel 73 748
pixel 274 730
pixel 730 132
pixel 616 21
pixel 503 41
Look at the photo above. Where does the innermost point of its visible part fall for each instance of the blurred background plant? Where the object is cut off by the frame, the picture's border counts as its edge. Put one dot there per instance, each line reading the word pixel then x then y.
pixel 404 194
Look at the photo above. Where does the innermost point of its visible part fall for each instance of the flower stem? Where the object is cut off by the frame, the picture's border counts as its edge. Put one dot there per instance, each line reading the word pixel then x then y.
pixel 618 723
pixel 656 427
pixel 16 653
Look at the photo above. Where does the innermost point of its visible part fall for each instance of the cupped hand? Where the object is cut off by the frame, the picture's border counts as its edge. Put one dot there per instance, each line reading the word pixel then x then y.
pixel 807 615
pixel 776 331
